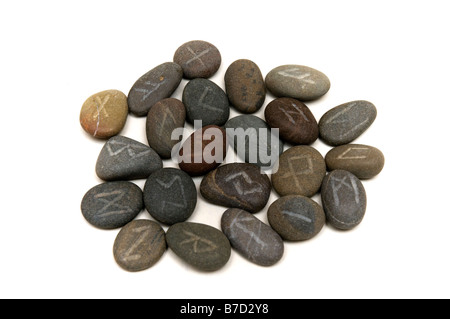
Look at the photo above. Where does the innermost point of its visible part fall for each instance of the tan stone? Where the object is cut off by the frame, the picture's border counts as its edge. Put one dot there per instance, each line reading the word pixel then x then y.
pixel 104 114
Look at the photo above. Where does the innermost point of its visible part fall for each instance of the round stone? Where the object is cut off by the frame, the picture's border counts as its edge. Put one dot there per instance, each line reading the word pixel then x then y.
pixel 363 161
pixel 201 246
pixel 206 102
pixel 104 114
pixel 344 199
pixel 237 185
pixel 245 86
pixel 199 59
pixel 344 123
pixel 112 205
pixel 296 218
pixel 253 140
pixel 125 159
pixel 139 245
pixel 298 82
pixel 301 170
pixel 253 239
pixel 170 196
pixel 162 119
pixel 295 121
pixel 203 151
pixel 154 86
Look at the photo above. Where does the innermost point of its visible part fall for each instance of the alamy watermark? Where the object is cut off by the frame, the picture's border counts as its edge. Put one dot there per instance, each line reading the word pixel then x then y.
pixel 256 146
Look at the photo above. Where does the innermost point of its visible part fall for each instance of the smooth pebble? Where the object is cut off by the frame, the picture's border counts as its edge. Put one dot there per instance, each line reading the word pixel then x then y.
pixel 199 59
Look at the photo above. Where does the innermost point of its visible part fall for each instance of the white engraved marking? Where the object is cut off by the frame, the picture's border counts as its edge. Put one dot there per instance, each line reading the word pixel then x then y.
pixel 134 151
pixel 297 73
pixel 148 92
pixel 169 185
pixel 339 114
pixel 358 154
pixel 336 185
pixel 193 238
pixel 238 186
pixel 354 128
pixel 298 216
pixel 197 56
pixel 292 173
pixel 167 113
pixel 119 209
pixel 290 113
pixel 207 106
pixel 100 105
pixel 144 233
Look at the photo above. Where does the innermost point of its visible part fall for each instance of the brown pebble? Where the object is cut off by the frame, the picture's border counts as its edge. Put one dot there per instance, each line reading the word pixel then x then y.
pixel 162 119
pixel 245 86
pixel 203 151
pixel 300 172
pixel 297 124
pixel 104 114
pixel 361 160
pixel 198 59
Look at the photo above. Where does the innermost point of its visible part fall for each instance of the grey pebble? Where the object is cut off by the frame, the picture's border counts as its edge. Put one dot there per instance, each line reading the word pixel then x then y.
pixel 125 159
pixel 112 205
pixel 170 196
pixel 139 245
pixel 256 144
pixel 252 238
pixel 154 86
pixel 237 185
pixel 298 82
pixel 201 246
pixel 205 101
pixel 346 122
pixel 296 218
pixel 344 199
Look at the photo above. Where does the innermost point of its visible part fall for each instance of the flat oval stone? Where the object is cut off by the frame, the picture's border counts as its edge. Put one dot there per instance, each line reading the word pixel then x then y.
pixel 163 118
pixel 245 86
pixel 201 246
pixel 104 114
pixel 361 160
pixel 139 245
pixel 154 86
pixel 205 101
pixel 125 159
pixel 252 238
pixel 199 59
pixel 295 121
pixel 300 172
pixel 344 123
pixel 112 205
pixel 344 199
pixel 203 151
pixel 237 185
pixel 298 82
pixel 253 140
pixel 296 218
pixel 170 196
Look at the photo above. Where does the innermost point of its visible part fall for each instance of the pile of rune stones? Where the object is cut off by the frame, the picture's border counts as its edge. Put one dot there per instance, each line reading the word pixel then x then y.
pixel 170 195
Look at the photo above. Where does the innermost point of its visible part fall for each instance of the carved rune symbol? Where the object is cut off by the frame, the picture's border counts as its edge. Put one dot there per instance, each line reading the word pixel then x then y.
pixel 143 233
pixel 293 170
pixel 297 216
pixel 197 56
pixel 100 105
pixel 134 151
pixel 354 153
pixel 201 101
pixel 290 113
pixel 337 184
pixel 201 245
pixel 297 74
pixel 111 207
pixel 176 179
pixel 148 92
pixel 237 179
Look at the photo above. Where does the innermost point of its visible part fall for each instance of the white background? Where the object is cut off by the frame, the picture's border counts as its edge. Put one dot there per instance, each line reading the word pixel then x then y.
pixel 55 54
